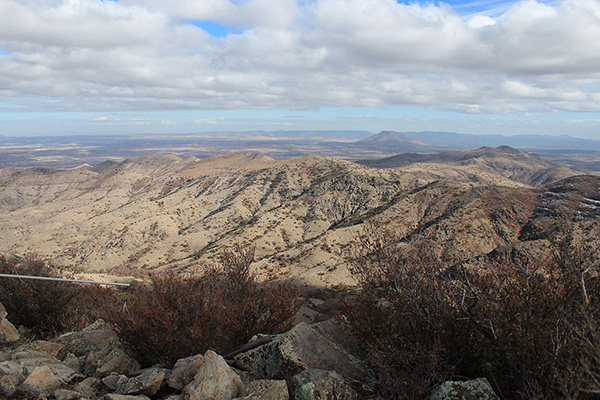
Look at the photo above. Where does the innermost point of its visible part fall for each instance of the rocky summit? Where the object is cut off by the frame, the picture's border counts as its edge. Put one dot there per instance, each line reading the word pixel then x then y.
pixel 307 362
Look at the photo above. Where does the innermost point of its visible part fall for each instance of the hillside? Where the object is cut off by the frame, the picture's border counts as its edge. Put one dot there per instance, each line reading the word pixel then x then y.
pixel 500 166
pixel 392 141
pixel 302 214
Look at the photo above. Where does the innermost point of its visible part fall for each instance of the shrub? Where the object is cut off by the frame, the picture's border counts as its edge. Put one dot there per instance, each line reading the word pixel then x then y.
pixel 177 317
pixel 405 315
pixel 48 307
pixel 527 325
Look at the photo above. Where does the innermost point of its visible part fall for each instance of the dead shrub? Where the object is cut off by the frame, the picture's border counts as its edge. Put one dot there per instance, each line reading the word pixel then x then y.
pixel 405 314
pixel 221 309
pixel 528 325
pixel 48 308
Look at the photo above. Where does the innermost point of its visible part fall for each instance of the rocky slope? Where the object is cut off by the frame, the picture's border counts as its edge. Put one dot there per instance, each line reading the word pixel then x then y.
pixel 300 214
pixel 308 362
pixel 500 166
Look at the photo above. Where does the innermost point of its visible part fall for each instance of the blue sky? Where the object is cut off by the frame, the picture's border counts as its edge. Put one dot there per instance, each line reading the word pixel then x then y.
pixel 489 67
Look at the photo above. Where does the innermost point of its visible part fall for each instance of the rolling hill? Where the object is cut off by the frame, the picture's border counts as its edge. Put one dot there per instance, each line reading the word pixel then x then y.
pixel 164 212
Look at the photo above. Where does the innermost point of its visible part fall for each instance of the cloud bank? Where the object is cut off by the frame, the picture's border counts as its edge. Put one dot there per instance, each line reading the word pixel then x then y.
pixel 92 55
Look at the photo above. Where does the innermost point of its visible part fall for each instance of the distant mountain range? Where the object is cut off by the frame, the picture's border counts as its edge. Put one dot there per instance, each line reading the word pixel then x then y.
pixel 429 140
pixel 73 151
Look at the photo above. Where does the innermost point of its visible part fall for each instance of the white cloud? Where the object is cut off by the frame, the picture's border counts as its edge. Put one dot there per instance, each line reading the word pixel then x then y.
pixel 480 21
pixel 144 55
pixel 241 14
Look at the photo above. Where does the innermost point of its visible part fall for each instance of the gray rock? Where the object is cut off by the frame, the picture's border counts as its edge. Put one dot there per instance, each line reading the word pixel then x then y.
pixel 301 348
pixel 474 389
pixel 215 380
pixel 88 387
pixel 65 394
pixel 72 361
pixel 47 348
pixel 267 390
pixel 117 361
pixel 99 337
pixel 9 385
pixel 8 332
pixel 100 349
pixel 318 384
pixel 60 369
pixel 184 371
pixel 115 396
pixel 23 367
pixel 114 381
pixel 147 383
pixel 41 381
pixel 150 380
pixel 13 368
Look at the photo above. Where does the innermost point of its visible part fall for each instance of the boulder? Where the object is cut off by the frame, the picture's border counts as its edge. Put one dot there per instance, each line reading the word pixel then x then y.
pixel 47 348
pixel 99 337
pixel 267 390
pixel 320 384
pixel 184 370
pixel 58 368
pixel 114 381
pixel 100 350
pixel 301 348
pixel 8 332
pixel 147 383
pixel 474 389
pixel 23 367
pixel 117 361
pixel 41 381
pixel 88 387
pixel 215 380
pixel 65 394
pixel 9 385
pixel 50 349
pixel 115 396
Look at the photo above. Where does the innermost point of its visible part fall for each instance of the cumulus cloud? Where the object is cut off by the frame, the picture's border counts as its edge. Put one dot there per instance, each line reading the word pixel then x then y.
pixel 299 54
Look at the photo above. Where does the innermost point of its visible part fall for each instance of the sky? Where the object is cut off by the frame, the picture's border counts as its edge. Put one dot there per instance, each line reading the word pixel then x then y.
pixel 180 66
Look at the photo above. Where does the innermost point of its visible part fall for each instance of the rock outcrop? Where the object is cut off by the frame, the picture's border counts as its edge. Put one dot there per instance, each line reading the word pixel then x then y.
pixel 308 362
pixel 318 384
pixel 93 364
pixel 8 333
pixel 214 380
pixel 290 353
pixel 474 389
